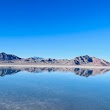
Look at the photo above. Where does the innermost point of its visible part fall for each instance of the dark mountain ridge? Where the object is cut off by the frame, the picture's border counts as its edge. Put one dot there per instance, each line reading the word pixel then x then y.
pixel 81 60
pixel 4 57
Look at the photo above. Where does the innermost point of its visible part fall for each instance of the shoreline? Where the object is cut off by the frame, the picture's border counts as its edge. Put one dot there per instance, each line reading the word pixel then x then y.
pixel 54 66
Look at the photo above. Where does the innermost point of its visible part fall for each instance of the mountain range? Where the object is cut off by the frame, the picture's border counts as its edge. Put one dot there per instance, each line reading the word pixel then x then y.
pixel 81 60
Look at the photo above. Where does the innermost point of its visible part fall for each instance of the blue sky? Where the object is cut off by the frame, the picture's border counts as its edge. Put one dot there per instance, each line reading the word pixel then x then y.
pixel 55 28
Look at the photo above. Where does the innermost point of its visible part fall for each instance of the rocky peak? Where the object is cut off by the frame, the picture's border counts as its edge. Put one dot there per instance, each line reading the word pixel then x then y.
pixel 4 56
pixel 82 60
pixel 87 60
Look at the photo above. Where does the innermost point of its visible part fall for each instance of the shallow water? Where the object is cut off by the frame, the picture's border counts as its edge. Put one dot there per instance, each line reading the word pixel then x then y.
pixel 54 89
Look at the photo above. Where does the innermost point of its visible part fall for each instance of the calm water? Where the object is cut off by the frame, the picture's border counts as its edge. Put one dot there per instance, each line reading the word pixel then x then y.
pixel 54 89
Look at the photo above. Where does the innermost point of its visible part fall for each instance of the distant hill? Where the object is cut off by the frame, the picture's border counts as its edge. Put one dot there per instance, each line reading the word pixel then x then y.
pixel 81 60
pixel 5 57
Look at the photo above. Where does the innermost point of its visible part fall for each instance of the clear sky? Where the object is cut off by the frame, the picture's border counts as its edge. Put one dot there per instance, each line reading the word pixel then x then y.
pixel 55 28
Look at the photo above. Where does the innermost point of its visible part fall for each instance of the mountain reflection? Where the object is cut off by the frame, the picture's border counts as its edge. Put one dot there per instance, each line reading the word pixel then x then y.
pixel 78 71
pixel 8 71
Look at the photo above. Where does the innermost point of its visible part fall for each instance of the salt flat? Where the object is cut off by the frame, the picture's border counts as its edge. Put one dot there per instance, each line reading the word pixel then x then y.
pixel 57 66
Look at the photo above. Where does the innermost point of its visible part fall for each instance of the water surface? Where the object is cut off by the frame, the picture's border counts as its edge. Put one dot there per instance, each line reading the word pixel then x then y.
pixel 54 89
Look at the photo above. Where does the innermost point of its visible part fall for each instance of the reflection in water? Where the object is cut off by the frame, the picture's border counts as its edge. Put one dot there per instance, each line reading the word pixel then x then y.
pixel 77 71
pixel 8 71
pixel 89 72
pixel 56 91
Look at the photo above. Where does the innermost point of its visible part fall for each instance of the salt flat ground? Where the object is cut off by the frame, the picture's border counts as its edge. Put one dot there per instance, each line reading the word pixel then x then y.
pixel 57 66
